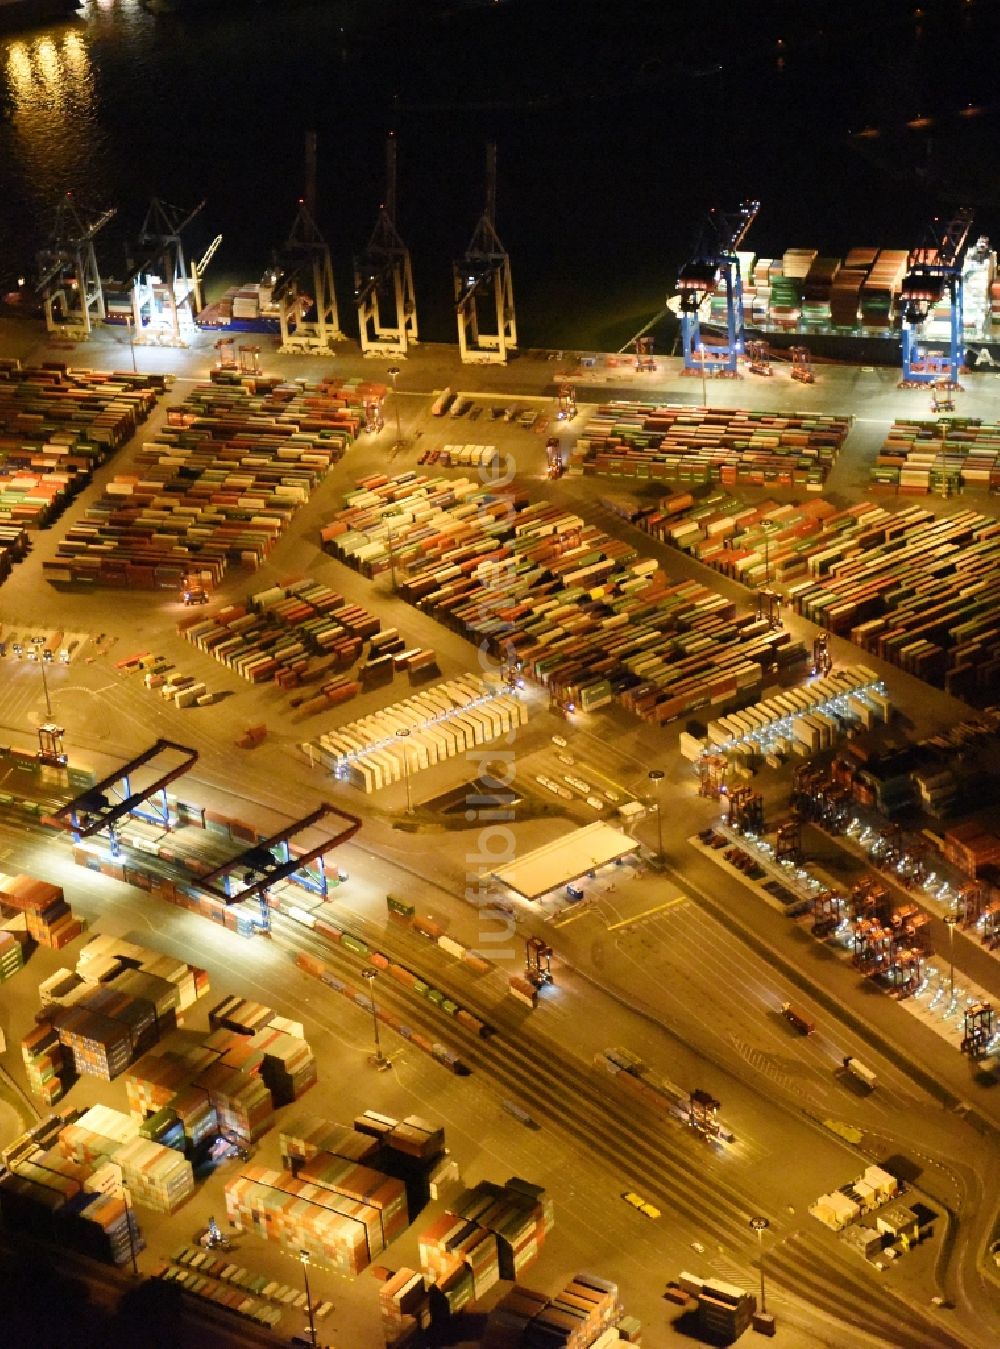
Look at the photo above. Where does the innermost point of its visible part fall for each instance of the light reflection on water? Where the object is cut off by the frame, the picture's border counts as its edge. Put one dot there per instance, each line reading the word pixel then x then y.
pixel 52 108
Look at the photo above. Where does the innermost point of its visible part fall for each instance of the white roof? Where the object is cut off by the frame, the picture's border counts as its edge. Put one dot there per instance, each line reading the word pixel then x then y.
pixel 565 859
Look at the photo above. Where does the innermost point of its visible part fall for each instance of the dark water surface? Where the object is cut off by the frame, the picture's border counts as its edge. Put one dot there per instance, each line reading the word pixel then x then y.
pixel 618 122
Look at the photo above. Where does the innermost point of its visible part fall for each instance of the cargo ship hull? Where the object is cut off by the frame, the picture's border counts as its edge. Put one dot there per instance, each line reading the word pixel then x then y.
pixel 17 15
pixel 855 348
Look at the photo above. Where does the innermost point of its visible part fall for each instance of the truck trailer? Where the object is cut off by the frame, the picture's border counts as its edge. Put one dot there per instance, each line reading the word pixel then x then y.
pixel 861 1071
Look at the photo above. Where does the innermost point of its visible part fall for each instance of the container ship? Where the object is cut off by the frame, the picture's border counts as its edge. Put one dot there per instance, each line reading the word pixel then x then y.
pixel 20 14
pixel 850 308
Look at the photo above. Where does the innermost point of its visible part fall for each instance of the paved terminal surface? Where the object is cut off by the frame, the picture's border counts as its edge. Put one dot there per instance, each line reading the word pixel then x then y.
pixel 685 966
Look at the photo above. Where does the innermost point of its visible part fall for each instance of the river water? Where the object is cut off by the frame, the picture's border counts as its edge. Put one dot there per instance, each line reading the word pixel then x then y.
pixel 617 123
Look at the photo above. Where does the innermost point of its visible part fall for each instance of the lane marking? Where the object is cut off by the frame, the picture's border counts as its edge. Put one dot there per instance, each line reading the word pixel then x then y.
pixel 660 908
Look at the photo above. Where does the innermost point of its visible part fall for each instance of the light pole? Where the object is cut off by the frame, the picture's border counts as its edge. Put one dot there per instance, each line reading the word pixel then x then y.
pixel 760 1226
pixel 304 1261
pixel 767 554
pixel 950 921
pixel 131 342
pixel 370 974
pixel 393 372
pixel 403 735
pixel 392 558
pixel 45 687
pixel 131 1230
pixel 656 776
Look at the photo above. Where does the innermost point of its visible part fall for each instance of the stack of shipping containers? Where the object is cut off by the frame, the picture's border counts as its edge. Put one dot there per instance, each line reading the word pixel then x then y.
pixel 286 634
pixel 157 1177
pixel 14 544
pixel 11 955
pixel 219 485
pixel 582 1315
pixel 908 585
pixel 56 427
pixel 817 291
pixel 881 289
pixel 340 1234
pixel 676 442
pixel 586 616
pixel 944 456
pixel 441 723
pixel 489 1233
pixel 49 918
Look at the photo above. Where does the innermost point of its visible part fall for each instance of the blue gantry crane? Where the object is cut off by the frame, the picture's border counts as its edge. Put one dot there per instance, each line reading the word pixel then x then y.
pixel 713 260
pixel 138 789
pixel 934 269
pixel 251 874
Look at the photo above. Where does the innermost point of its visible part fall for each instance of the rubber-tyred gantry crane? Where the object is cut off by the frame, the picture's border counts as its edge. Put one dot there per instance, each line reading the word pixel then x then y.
pixel 163 294
pixel 713 260
pixel 138 789
pixel 934 270
pixel 69 281
pixel 483 282
pixel 251 874
pixel 383 279
pixel 303 287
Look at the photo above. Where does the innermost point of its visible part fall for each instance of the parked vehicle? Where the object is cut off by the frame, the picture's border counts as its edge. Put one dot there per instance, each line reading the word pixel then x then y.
pixel 643 1206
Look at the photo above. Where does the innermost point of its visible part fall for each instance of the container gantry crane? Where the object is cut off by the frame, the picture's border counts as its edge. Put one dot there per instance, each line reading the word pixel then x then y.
pixel 163 294
pixel 934 270
pixel 309 318
pixel 69 281
pixel 713 260
pixel 383 279
pixel 484 273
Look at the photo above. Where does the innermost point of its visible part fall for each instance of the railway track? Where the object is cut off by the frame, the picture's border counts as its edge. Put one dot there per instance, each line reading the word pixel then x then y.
pixel 669 1166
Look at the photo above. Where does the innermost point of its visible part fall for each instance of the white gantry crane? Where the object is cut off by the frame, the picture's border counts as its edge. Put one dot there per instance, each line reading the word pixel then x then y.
pixel 303 287
pixel 484 292
pixel 383 279
pixel 69 282
pixel 164 292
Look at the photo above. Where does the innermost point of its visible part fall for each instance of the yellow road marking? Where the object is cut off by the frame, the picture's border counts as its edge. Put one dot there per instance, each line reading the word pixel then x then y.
pixel 681 899
pixel 572 917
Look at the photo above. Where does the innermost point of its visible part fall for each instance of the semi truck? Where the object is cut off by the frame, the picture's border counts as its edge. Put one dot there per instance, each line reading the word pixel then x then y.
pixel 797 1019
pixel 861 1071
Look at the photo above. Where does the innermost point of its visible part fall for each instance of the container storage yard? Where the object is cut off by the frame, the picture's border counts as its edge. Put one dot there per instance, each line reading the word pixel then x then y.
pixel 677 443
pixel 217 488
pixel 946 457
pixel 906 584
